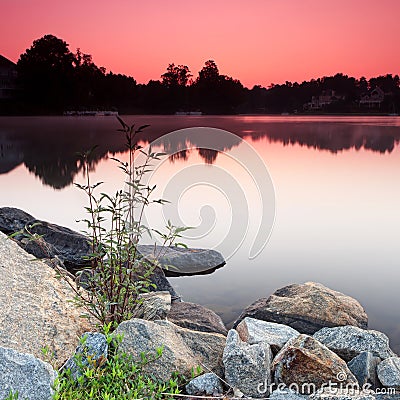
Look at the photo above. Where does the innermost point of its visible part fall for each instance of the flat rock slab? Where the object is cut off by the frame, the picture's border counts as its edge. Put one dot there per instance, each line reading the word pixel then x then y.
pixel 35 306
pixel 178 261
pixel 24 374
pixel 307 308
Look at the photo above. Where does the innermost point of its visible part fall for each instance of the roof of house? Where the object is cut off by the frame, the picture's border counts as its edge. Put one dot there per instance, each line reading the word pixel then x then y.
pixel 5 62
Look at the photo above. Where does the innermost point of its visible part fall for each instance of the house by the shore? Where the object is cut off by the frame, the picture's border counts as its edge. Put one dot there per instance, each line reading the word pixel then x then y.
pixel 8 78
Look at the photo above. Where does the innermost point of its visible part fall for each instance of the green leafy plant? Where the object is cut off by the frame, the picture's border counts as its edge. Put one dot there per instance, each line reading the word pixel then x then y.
pixel 119 377
pixel 118 273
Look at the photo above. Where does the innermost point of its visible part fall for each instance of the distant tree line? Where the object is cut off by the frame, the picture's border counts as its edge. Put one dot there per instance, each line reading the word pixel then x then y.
pixel 53 79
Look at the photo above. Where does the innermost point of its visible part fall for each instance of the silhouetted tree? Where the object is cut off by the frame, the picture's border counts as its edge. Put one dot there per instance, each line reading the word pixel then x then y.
pixel 46 72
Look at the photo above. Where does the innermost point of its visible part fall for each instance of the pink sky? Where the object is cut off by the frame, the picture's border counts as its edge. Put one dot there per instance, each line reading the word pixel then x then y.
pixel 256 41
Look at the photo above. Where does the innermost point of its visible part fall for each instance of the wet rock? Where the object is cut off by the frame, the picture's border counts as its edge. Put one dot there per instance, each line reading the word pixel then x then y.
pixel 196 317
pixel 153 305
pixel 304 361
pixel 247 367
pixel 91 352
pixel 36 306
pixel 349 341
pixel 13 219
pixel 178 261
pixel 24 374
pixel 183 349
pixel 307 308
pixel 205 385
pixel 254 331
pixel 364 369
pixel 389 372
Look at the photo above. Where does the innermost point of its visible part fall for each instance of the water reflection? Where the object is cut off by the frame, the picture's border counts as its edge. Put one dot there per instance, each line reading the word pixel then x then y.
pixel 48 146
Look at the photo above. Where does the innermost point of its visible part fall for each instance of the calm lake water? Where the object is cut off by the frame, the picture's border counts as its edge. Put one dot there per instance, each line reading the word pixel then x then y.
pixel 334 203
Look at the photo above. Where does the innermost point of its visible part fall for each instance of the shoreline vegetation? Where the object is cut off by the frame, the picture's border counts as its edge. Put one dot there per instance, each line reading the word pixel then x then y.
pixel 49 79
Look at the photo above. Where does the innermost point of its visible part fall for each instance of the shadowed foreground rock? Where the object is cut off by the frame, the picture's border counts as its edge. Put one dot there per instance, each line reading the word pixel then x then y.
pixel 364 369
pixel 35 307
pixel 305 361
pixel 196 317
pixel 25 374
pixel 183 349
pixel 349 341
pixel 307 308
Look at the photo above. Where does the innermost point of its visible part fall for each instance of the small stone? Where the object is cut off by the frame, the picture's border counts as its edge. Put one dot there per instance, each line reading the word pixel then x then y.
pixel 389 372
pixel 364 369
pixel 91 352
pixel 205 385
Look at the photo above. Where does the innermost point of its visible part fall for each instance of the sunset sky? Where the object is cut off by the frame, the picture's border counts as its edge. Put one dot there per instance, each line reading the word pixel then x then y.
pixel 256 41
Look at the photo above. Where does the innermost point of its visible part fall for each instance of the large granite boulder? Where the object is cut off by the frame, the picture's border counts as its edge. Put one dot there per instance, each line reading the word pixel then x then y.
pixel 247 367
pixel 196 317
pixel 24 374
pixel 304 361
pixel 254 331
pixel 205 385
pixel 91 353
pixel 307 308
pixel 389 372
pixel 364 369
pixel 35 306
pixel 179 261
pixel 183 349
pixel 349 341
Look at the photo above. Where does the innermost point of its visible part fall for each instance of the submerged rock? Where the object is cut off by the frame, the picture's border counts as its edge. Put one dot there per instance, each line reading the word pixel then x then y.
pixel 36 306
pixel 349 341
pixel 307 308
pixel 196 317
pixel 247 367
pixel 256 331
pixel 24 374
pixel 304 361
pixel 183 349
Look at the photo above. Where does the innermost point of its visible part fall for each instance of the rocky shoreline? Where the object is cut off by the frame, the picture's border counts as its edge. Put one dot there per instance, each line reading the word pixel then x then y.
pixel 298 343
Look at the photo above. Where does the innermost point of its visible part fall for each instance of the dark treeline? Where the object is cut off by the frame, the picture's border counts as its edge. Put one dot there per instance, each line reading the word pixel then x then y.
pixel 52 79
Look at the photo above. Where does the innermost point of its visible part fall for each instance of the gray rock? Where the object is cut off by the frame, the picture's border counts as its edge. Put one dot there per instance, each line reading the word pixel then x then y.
pixel 364 369
pixel 153 305
pixel 287 394
pixel 183 349
pixel 247 367
pixel 178 261
pixel 205 385
pixel 343 394
pixel 349 341
pixel 304 361
pixel 25 374
pixel 307 308
pixel 13 219
pixel 254 331
pixel 91 352
pixel 389 372
pixel 36 307
pixel 196 317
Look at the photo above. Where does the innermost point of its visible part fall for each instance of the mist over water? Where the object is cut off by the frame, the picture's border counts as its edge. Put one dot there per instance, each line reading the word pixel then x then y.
pixel 337 196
